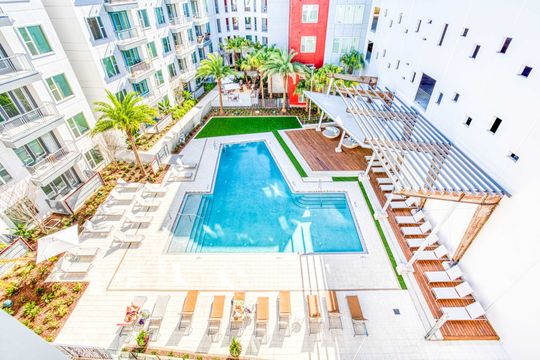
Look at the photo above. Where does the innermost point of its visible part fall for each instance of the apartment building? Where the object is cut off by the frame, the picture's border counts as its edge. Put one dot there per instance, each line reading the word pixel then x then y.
pixel 471 67
pixel 46 153
pixel 151 47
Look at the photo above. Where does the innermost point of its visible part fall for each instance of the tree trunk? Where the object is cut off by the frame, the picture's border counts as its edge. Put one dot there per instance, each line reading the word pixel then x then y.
pixel 270 87
pixel 283 108
pixel 262 85
pixel 221 112
pixel 137 158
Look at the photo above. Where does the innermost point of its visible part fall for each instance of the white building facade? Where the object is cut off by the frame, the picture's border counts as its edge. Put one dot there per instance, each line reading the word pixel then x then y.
pixel 471 68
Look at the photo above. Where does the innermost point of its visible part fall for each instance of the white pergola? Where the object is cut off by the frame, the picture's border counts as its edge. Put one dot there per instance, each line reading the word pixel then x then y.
pixel 418 158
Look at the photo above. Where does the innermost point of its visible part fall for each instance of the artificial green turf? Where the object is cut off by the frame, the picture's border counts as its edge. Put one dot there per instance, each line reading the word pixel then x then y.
pixel 223 126
pixel 289 153
pixel 379 229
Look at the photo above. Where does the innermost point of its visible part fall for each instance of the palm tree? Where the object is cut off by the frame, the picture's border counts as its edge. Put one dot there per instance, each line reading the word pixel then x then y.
pixel 280 63
pixel 236 46
pixel 126 115
pixel 214 66
pixel 265 55
pixel 254 62
pixel 353 60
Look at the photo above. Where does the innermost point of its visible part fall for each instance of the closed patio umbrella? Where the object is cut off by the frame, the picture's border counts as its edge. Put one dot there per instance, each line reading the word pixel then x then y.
pixel 57 243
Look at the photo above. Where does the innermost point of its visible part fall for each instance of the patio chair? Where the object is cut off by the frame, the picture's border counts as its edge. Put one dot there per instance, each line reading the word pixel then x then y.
pixel 184 165
pixel 454 273
pixel 284 306
pixel 331 132
pixel 128 238
pixel 126 186
pixel 108 211
pixel 94 228
pixel 357 316
pixel 216 313
pixel 473 311
pixel 414 218
pixel 188 308
pixel 147 203
pixel 138 219
pixel 84 252
pixel 451 293
pixel 158 312
pixel 378 169
pixel 122 197
pixel 386 187
pixel 438 254
pixel 417 242
pixel 406 204
pixel 416 230
pixel 177 175
pixel 261 317
pixel 381 180
pixel 155 189
pixel 314 314
pixel 332 307
pixel 69 267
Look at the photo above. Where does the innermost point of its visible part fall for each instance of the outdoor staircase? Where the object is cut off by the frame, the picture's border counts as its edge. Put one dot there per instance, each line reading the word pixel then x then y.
pixel 196 237
pixel 321 201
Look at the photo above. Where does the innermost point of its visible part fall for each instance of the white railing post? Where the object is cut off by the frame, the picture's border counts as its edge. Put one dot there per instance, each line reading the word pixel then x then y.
pixel 438 324
pixel 338 148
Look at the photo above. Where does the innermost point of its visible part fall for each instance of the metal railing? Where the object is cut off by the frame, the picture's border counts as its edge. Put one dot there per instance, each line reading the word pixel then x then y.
pixel 139 68
pixel 180 20
pixel 50 160
pixel 78 196
pixel 27 119
pixel 181 48
pixel 119 2
pixel 15 63
pixel 203 38
pixel 128 34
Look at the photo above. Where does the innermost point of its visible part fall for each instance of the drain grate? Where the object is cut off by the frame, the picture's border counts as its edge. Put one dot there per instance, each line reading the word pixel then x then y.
pixel 397 312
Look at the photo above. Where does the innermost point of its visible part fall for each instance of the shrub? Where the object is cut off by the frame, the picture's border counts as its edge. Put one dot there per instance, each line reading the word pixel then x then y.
pixel 52 325
pixel 61 311
pixel 11 289
pixel 31 310
pixel 48 297
pixel 77 287
pixel 9 310
pixel 185 356
pixel 40 290
pixel 235 348
pixel 38 330
pixel 142 338
pixel 70 300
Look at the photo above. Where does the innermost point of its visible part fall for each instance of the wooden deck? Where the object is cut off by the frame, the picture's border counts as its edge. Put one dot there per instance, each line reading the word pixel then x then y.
pixel 451 330
pixel 319 152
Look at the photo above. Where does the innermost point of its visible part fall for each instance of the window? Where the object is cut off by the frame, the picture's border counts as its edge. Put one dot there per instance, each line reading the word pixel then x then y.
pixel 78 125
pixel 218 24
pixel 234 5
pixel 190 35
pixel 369 51
pixel 495 126
pixel 350 14
pixel 505 45
pixel 111 66
pixel 456 97
pixel 391 23
pixel 418 24
pixel 443 34
pixel 94 157
pixel 526 71
pixel 225 6
pixel 264 6
pixel 308 44
pixel 465 32
pixel 475 51
pixel 375 19
pixel 514 157
pixel 216 6
pixel 264 24
pixel 247 5
pixel 35 40
pixel 4 175
pixel 397 64
pixel 160 18
pixel 439 98
pixel 255 27
pixel 235 25
pixel 59 87
pixel 248 23
pixel 62 185
pixel 152 50
pixel 121 94
pixel 468 121
pixel 385 12
pixel 193 58
pixel 96 28
pixel 265 40
pixel 384 53
pixel 166 44
pixel 343 45
pixel 141 88
pixel 159 77
pixel 400 18
pixel 227 24
pixel 310 14
pixel 172 70
pixel 143 18
pixel 425 89
pixel 388 65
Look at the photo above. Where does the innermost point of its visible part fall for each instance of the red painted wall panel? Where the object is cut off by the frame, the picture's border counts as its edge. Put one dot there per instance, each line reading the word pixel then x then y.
pixel 297 29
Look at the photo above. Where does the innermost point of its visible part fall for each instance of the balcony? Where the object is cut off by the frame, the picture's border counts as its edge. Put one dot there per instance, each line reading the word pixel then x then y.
pixel 180 23
pixel 26 127
pixel 17 71
pixel 53 165
pixel 185 49
pixel 5 20
pixel 188 73
pixel 140 71
pixel 75 198
pixel 120 5
pixel 203 40
pixel 200 18
pixel 130 38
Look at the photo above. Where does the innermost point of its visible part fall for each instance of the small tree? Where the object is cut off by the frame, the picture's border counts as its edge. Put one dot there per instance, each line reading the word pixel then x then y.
pixel 111 144
pixel 353 60
pixel 214 66
pixel 126 115
pixel 235 348
pixel 19 207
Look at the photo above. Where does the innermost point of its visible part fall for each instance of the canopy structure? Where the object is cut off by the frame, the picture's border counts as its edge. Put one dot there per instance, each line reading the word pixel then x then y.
pixel 418 158
pixel 231 86
pixel 57 243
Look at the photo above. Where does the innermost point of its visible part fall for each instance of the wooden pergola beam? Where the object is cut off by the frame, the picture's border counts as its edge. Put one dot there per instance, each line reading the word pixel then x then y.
pixel 480 199
pixel 479 219
pixel 370 80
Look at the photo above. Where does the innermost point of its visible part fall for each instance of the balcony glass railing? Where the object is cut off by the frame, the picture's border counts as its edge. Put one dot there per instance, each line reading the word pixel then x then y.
pixel 422 98
pixel 128 34
pixel 27 120
pixel 139 68
pixel 15 63
pixel 180 20
pixel 49 161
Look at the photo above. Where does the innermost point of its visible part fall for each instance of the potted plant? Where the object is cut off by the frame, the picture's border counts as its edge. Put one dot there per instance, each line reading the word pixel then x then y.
pixel 142 338
pixel 235 348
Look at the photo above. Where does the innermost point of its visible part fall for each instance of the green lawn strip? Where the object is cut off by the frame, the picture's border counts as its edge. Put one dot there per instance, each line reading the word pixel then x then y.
pixel 289 153
pixel 379 229
pixel 231 125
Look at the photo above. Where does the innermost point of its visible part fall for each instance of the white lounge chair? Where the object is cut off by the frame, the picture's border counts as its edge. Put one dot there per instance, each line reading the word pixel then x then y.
pixel 156 189
pixel 450 293
pixel 122 197
pixel 69 267
pixel 138 219
pixel 470 312
pixel 349 143
pixel 416 230
pixel 448 275
pixel 84 252
pixel 147 202
pixel 407 204
pixel 415 218
pixel 378 169
pixel 155 319
pixel 184 165
pixel 108 211
pixel 93 228
pixel 417 242
pixel 384 180
pixel 438 254
pixel 331 132
pixel 180 175
pixel 124 185
pixel 396 197
pixel 127 238
pixel 386 187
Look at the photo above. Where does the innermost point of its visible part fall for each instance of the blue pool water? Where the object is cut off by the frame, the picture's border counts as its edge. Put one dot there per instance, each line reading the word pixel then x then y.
pixel 252 209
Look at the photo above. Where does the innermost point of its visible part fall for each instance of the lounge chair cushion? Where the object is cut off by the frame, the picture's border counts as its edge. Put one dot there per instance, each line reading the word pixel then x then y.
pixel 190 302
pixel 262 309
pixel 354 308
pixel 313 306
pixel 217 307
pixel 332 304
pixel 284 302
pixel 239 296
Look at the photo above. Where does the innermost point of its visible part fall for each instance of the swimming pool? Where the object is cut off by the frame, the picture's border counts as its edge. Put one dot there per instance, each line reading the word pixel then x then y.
pixel 252 209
